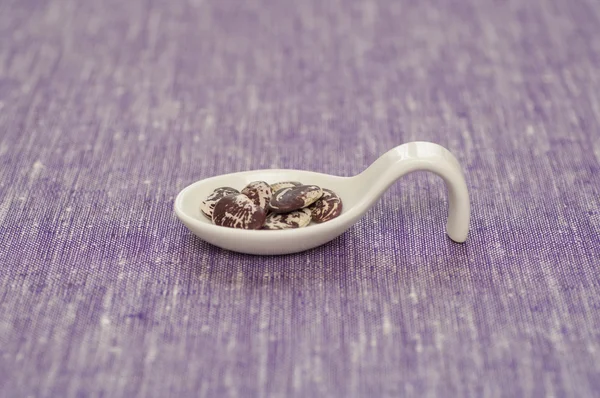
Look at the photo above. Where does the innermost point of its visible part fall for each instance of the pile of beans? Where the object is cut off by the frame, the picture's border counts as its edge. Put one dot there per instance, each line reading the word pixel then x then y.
pixel 283 205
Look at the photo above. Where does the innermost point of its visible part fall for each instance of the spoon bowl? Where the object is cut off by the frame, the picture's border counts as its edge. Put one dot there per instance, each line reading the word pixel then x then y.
pixel 358 193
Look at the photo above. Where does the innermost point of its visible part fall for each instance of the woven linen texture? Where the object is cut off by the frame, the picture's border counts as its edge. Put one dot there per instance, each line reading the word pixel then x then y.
pixel 109 108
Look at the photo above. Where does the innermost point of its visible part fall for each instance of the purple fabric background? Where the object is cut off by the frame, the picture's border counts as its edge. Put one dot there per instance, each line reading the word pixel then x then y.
pixel 109 108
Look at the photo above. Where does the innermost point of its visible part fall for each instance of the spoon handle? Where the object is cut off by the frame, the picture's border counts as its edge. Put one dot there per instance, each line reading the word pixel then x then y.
pixel 423 156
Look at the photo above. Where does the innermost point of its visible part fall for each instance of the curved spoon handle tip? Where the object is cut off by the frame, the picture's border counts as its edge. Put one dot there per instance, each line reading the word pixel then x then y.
pixel 425 156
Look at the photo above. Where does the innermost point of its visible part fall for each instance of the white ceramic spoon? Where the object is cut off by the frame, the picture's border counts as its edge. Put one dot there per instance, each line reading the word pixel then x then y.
pixel 358 194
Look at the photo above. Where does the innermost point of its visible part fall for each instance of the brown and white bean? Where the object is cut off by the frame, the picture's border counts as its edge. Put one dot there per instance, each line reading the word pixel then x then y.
pixel 207 206
pixel 260 192
pixel 295 219
pixel 238 211
pixel 328 207
pixel 284 184
pixel 294 198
